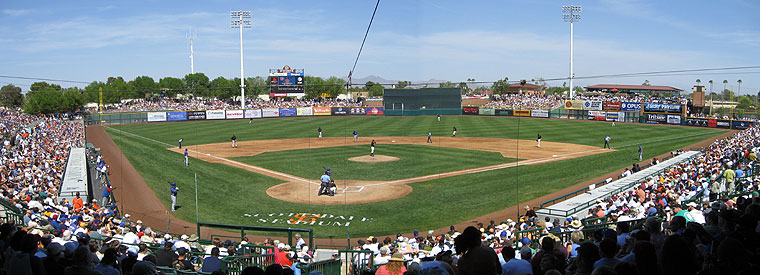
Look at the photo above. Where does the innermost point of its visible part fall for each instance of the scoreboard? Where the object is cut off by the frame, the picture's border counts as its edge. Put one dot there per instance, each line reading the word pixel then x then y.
pixel 286 82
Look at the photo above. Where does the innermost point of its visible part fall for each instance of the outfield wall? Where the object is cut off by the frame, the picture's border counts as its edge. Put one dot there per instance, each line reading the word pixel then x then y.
pixel 652 113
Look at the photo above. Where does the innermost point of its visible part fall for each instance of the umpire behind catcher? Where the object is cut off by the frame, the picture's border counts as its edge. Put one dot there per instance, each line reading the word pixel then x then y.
pixel 325 185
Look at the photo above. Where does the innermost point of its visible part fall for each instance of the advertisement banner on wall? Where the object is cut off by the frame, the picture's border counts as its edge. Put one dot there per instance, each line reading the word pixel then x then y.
pixel 255 113
pixel 288 112
pixel 470 110
pixel 234 114
pixel 339 111
pixel 674 119
pixel 661 107
pixel 156 116
pixel 574 104
pixel 630 106
pixel 597 115
pixel 723 123
pixel 503 112
pixel 740 124
pixel 615 116
pixel 539 113
pixel 306 111
pixel 521 112
pixel 656 118
pixel 176 116
pixel 196 115
pixel 612 105
pixel 322 111
pixel 270 112
pixel 215 114
pixel 357 111
pixel 374 111
pixel 701 122
pixel 486 112
pixel 592 105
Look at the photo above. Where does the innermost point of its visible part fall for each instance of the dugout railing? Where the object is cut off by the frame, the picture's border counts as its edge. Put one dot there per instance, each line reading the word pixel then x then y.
pixel 245 228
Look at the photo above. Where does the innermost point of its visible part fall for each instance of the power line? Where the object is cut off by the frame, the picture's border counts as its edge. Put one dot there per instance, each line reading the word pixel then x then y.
pixel 43 79
pixel 350 73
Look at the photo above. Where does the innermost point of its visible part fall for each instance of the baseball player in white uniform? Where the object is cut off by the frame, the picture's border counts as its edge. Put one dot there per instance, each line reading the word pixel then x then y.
pixel 234 141
pixel 372 149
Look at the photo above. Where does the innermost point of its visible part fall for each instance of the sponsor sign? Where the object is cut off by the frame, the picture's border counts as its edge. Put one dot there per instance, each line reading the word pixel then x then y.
pixel 310 219
pixel 660 107
pixel 630 106
pixel 597 115
pixel 521 112
pixel 539 113
pixel 503 112
pixel 574 104
pixel 234 114
pixel 486 112
pixel 656 118
pixel 306 111
pixel 255 113
pixel 288 112
pixel 215 114
pixel 612 105
pixel 712 123
pixel 374 111
pixel 740 124
pixel 196 115
pixel 176 116
pixel 156 116
pixel 592 105
pixel 674 119
pixel 339 111
pixel 701 122
pixel 722 123
pixel 322 111
pixel 272 112
pixel 470 110
pixel 615 116
pixel 357 111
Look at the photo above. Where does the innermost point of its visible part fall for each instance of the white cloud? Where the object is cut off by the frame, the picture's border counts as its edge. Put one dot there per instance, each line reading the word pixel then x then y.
pixel 16 12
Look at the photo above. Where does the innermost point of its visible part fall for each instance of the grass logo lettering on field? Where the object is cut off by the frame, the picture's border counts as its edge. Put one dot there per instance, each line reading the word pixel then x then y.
pixel 308 219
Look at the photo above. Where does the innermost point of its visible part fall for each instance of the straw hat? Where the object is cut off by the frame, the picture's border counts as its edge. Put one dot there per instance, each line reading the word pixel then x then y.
pixel 397 257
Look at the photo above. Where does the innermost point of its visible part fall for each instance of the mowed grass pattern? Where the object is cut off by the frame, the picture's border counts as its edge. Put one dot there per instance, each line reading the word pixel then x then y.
pixel 414 161
pixel 227 193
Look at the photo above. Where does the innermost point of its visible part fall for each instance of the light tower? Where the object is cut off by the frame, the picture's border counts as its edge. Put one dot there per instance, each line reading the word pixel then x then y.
pixel 571 14
pixel 192 65
pixel 239 19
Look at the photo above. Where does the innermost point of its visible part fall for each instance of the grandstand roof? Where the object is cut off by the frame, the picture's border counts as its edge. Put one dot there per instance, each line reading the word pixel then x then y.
pixel 610 87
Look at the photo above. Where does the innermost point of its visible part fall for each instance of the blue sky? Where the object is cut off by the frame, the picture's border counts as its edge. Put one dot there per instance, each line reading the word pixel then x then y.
pixel 412 40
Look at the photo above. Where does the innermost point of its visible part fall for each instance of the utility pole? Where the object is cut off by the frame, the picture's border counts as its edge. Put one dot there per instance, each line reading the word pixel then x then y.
pixel 239 19
pixel 571 14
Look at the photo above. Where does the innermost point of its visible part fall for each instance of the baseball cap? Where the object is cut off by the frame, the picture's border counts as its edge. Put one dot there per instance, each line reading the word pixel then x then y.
pixel 174 184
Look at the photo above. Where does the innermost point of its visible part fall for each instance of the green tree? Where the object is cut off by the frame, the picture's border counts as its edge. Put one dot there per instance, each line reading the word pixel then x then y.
pixel 171 85
pixel 222 88
pixel 447 84
pixel 196 81
pixel 314 86
pixel 501 86
pixel 403 84
pixel 11 97
pixel 255 86
pixel 374 89
pixel 143 85
pixel 44 86
pixel 44 102
pixel 646 83
pixel 335 86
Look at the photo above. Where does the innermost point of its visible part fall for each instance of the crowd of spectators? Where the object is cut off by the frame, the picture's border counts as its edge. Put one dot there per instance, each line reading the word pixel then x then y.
pixel 189 104
pixel 532 101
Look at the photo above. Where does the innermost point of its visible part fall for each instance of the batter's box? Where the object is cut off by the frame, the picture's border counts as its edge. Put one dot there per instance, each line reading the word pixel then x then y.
pixel 350 189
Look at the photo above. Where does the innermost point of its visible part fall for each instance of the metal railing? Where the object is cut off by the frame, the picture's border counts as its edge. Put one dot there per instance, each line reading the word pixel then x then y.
pixel 354 262
pixel 331 266
pixel 244 228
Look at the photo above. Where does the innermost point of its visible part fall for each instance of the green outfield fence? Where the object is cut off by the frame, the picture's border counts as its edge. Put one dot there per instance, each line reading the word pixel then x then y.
pixel 423 112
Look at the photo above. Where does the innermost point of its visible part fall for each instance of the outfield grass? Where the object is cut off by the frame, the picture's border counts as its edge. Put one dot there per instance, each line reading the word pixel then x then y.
pixel 227 193
pixel 414 161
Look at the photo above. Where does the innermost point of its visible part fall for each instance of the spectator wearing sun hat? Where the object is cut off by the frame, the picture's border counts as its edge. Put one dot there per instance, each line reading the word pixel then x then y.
pixel 395 266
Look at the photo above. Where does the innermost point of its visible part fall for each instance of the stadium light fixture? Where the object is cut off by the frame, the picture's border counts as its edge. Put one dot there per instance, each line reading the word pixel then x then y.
pixel 571 14
pixel 240 20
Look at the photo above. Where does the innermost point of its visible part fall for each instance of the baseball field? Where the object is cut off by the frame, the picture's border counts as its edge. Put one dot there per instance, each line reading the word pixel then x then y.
pixel 271 179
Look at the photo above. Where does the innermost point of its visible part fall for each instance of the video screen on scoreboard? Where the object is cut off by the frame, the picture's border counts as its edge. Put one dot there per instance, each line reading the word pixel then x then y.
pixel 287 80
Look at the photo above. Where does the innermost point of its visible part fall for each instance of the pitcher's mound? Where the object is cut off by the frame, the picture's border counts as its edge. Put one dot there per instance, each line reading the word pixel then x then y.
pixel 376 158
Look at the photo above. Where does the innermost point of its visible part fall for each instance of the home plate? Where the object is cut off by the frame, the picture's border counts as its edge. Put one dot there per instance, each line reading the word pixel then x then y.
pixel 554 156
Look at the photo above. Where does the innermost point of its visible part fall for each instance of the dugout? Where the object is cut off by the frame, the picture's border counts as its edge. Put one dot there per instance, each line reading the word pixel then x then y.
pixel 424 101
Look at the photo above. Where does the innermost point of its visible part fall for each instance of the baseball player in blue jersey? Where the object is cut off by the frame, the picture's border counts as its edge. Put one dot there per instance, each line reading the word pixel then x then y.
pixel 186 159
pixel 641 152
pixel 430 135
pixel 356 136
pixel 173 190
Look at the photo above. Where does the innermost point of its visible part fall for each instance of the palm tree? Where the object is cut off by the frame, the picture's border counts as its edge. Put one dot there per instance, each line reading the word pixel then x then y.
pixel 698 81
pixel 724 87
